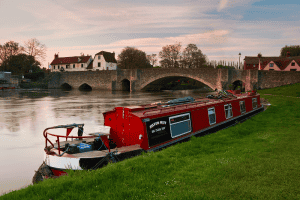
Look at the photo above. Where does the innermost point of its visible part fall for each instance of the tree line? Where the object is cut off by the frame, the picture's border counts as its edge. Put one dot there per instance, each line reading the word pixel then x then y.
pixel 191 57
pixel 170 55
pixel 22 59
pixel 294 50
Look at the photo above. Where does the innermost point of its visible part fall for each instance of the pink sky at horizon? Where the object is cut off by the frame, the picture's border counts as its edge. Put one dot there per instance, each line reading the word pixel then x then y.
pixel 221 29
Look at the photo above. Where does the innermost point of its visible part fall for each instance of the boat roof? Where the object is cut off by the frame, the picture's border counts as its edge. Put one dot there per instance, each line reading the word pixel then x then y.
pixel 151 110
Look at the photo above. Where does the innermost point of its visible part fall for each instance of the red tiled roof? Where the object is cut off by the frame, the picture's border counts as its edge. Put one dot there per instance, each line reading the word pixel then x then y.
pixel 281 62
pixel 69 60
pixel 109 57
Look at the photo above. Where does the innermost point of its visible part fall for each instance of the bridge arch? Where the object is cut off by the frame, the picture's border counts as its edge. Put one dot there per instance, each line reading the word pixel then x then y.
pixel 85 87
pixel 144 85
pixel 125 85
pixel 66 86
pixel 237 82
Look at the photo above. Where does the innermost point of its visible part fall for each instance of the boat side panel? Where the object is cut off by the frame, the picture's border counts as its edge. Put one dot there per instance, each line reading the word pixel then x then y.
pixel 248 104
pixel 110 119
pixel 235 108
pixel 220 112
pixel 200 119
pixel 133 130
pixel 158 130
pixel 126 128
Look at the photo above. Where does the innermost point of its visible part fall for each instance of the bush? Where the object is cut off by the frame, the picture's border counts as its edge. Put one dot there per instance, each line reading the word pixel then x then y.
pixel 35 76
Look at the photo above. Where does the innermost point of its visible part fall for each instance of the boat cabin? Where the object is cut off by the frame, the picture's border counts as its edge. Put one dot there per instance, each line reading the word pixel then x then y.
pixel 156 125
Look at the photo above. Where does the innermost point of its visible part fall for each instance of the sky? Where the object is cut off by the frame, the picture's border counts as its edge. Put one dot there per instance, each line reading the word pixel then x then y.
pixel 221 29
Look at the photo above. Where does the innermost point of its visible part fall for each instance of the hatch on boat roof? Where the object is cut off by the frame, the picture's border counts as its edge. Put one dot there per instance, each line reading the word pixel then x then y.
pixel 133 107
pixel 103 130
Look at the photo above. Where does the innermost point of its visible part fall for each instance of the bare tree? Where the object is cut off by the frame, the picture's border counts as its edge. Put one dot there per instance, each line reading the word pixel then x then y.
pixel 8 49
pixel 170 55
pixel 152 59
pixel 34 48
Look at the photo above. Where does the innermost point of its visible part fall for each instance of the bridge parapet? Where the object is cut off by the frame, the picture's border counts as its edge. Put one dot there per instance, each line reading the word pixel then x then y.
pixel 141 78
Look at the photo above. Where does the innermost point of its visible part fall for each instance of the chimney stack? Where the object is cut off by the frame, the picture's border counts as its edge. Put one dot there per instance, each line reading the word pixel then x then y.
pixel 55 56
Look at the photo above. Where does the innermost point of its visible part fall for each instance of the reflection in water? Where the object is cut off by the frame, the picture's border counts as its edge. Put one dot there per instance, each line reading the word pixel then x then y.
pixel 26 113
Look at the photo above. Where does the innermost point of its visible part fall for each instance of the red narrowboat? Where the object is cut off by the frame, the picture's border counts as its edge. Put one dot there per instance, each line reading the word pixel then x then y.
pixel 130 130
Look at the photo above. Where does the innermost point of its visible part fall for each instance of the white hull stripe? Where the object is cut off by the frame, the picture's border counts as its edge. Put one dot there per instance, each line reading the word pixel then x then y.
pixel 62 162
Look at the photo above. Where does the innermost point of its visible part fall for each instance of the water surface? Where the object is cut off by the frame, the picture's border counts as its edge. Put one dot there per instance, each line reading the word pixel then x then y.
pixel 26 113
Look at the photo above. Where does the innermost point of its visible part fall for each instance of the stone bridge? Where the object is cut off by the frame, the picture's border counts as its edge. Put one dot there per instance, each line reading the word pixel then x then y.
pixel 154 78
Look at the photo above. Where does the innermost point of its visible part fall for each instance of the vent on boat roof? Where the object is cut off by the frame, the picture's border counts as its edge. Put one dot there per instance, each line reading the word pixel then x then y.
pixel 181 100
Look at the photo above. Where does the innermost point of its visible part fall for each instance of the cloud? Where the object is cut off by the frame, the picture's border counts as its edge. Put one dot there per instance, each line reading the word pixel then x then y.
pixel 149 45
pixel 73 26
pixel 222 5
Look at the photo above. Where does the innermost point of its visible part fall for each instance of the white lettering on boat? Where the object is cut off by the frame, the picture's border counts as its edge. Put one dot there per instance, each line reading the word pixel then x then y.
pixel 157 123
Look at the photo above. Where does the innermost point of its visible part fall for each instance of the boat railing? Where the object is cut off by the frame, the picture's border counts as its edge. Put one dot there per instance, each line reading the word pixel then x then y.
pixel 69 128
pixel 62 136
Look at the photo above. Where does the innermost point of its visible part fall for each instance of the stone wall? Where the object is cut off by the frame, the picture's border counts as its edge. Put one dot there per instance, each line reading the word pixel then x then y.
pixel 141 78
pixel 271 79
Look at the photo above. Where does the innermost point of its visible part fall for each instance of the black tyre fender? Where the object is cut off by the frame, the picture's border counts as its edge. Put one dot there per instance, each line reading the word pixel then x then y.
pixel 43 171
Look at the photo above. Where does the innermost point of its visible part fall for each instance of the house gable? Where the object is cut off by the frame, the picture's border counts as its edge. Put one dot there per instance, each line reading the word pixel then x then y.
pixel 104 61
pixel 279 63
pixel 108 57
pixel 268 67
pixel 292 66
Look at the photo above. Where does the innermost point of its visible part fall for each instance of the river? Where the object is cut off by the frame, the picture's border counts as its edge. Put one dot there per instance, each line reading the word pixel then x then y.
pixel 26 113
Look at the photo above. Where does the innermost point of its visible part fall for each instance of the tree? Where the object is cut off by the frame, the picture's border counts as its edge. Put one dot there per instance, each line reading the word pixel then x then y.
pixel 132 58
pixel 21 64
pixel 224 67
pixel 293 49
pixel 34 48
pixel 193 57
pixel 152 59
pixel 8 49
pixel 170 56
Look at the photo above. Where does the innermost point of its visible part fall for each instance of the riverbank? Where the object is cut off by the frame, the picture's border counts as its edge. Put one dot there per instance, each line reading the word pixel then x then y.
pixel 252 160
pixel 34 85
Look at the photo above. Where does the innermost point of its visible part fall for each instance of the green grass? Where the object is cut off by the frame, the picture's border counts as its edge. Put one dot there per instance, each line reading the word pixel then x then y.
pixel 286 90
pixel 257 159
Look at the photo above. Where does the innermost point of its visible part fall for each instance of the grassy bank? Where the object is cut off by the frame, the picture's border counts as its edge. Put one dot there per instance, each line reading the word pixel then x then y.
pixel 257 159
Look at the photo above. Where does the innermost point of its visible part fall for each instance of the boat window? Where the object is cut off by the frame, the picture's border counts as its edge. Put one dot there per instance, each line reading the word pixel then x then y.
pixel 242 106
pixel 228 111
pixel 180 124
pixel 254 103
pixel 211 116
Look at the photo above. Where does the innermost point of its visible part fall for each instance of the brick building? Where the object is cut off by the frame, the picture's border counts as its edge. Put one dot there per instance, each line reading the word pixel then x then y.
pixel 287 63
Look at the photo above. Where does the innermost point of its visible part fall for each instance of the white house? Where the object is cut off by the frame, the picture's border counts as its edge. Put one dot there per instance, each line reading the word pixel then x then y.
pixel 75 63
pixel 104 61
